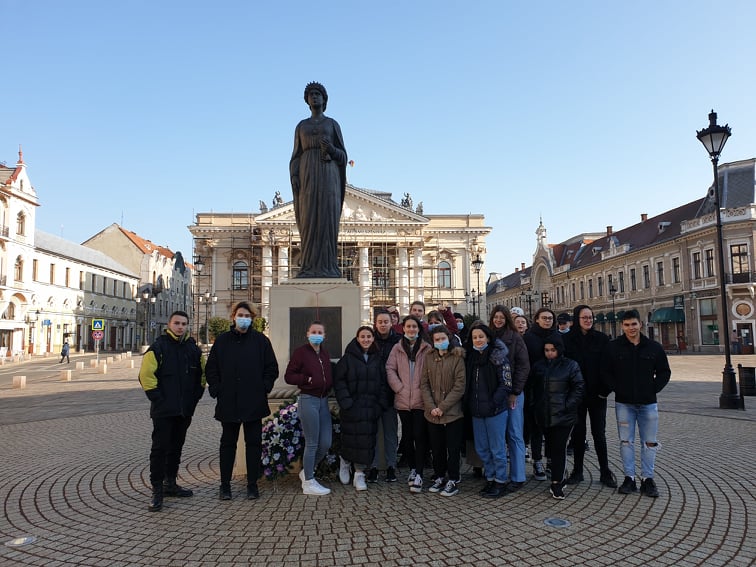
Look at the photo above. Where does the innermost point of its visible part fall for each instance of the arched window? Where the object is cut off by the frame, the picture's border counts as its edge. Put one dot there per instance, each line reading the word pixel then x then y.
pixel 18 269
pixel 11 311
pixel 444 274
pixel 21 224
pixel 241 275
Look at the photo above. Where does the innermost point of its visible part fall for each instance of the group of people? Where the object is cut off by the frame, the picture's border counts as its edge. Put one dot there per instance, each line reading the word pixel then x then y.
pixel 484 391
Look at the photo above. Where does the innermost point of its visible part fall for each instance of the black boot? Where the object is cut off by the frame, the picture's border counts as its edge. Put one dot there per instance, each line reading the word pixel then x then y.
pixel 170 488
pixel 497 490
pixel 156 504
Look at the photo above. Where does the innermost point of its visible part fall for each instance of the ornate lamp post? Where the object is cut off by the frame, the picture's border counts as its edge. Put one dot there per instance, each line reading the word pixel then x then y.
pixel 714 138
pixel 477 265
pixel 208 298
pixel 198 265
pixel 612 293
pixel 148 300
pixel 529 296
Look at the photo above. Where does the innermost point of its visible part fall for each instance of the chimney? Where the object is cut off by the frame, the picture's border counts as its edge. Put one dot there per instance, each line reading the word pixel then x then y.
pixel 609 230
pixel 644 217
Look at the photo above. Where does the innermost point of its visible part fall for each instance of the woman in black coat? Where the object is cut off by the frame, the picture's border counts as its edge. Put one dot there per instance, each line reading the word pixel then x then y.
pixel 363 394
pixel 240 372
pixel 557 389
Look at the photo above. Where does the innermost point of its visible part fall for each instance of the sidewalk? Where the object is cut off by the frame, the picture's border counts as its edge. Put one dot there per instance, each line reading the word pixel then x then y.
pixel 74 476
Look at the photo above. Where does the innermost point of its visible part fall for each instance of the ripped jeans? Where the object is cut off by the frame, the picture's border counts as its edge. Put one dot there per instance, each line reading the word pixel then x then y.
pixel 647 418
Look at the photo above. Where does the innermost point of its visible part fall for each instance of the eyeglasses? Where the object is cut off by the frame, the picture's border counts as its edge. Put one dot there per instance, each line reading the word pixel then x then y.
pixel 586 318
pixel 546 318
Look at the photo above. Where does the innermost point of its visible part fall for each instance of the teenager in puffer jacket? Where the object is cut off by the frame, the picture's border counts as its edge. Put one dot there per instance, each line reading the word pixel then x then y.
pixel 557 389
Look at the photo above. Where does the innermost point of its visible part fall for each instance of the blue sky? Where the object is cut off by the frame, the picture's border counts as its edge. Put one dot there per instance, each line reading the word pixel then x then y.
pixel 583 112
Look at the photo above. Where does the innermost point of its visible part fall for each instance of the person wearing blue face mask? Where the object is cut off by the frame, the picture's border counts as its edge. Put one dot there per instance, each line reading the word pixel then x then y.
pixel 241 370
pixel 443 387
pixel 489 383
pixel 310 370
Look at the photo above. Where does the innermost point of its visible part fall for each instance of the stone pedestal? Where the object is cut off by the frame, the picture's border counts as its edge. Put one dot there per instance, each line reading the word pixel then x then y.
pixel 295 304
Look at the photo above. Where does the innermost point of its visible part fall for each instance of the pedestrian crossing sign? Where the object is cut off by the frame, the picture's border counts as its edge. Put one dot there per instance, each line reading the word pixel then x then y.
pixel 98 324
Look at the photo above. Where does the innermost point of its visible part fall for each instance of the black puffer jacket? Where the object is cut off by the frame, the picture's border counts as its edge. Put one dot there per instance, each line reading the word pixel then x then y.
pixel 556 390
pixel 589 351
pixel 362 392
pixel 241 370
pixel 489 380
pixel 171 375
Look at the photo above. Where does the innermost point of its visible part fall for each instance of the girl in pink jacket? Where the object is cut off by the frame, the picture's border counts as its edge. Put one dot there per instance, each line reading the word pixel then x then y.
pixel 404 370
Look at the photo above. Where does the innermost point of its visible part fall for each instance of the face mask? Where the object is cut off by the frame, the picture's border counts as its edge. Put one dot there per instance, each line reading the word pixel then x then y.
pixel 315 339
pixel 563 331
pixel 243 323
pixel 481 348
pixel 442 346
pixel 460 326
pixel 410 336
pixel 432 326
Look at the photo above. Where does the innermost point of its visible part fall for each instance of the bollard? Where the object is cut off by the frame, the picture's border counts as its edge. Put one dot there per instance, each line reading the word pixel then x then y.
pixel 93 363
pixel 80 365
pixel 104 369
pixel 19 382
pixel 131 364
pixel 65 375
pixel 109 360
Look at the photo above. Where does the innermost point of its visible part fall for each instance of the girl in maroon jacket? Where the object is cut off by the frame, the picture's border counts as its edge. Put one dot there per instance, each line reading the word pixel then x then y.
pixel 310 369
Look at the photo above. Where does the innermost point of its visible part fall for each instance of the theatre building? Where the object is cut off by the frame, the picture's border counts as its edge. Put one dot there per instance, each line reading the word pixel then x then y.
pixel 394 253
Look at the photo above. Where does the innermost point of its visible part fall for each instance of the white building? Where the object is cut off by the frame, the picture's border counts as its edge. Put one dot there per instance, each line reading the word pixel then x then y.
pixel 51 289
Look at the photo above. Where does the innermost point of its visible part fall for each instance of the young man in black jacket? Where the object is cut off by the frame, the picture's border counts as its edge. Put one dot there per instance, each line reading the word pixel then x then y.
pixel 172 375
pixel 636 370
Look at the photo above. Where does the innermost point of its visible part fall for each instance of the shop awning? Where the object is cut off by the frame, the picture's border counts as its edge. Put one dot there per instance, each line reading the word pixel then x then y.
pixel 668 315
pixel 610 316
pixel 599 317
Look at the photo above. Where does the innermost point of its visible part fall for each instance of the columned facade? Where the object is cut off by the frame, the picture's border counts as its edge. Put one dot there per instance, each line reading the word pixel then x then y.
pixel 394 254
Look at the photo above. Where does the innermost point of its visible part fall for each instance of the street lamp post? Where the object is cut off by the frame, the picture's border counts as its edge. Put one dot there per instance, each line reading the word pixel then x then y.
pixel 208 298
pixel 477 265
pixel 612 293
pixel 148 300
pixel 714 138
pixel 529 296
pixel 198 265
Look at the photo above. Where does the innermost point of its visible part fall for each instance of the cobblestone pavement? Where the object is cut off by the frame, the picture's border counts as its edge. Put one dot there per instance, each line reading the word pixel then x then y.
pixel 74 476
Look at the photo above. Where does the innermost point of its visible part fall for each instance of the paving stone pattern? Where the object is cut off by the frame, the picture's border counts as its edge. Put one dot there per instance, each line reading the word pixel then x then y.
pixel 79 483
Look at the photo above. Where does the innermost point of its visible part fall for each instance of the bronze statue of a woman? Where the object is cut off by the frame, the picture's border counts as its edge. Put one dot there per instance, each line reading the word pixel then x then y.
pixel 318 181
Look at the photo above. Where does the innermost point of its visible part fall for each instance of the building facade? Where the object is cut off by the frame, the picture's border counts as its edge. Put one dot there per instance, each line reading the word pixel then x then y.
pixel 165 280
pixel 664 266
pixel 51 289
pixel 394 252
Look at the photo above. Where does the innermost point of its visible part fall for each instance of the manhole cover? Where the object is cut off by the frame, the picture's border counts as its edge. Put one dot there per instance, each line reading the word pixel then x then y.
pixel 21 541
pixel 557 523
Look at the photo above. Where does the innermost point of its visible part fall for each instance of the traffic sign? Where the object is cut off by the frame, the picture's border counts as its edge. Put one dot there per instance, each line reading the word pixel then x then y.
pixel 98 324
pixel 97 335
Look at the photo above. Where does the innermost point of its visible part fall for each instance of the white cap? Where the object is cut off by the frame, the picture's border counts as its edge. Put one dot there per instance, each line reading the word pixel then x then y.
pixel 517 312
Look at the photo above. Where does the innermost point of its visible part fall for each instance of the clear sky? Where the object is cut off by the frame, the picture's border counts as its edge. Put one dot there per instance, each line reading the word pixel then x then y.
pixel 145 112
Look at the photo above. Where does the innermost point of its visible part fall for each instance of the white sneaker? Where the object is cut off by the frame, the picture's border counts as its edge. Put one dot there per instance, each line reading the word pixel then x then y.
pixel 345 471
pixel 302 476
pixel 437 485
pixel 313 488
pixel 417 485
pixel 411 477
pixel 359 481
